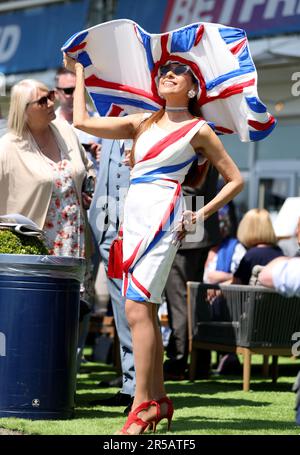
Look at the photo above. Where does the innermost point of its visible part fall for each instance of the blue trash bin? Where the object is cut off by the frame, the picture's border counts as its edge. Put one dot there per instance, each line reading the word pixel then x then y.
pixel 39 309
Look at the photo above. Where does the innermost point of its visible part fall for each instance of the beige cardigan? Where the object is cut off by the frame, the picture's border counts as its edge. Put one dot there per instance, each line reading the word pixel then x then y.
pixel 26 179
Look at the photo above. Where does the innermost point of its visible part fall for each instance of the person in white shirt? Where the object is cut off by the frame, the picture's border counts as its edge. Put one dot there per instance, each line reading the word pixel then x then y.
pixel 283 273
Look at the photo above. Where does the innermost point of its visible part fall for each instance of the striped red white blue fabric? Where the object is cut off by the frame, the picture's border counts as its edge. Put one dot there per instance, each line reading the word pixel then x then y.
pixel 153 208
pixel 121 63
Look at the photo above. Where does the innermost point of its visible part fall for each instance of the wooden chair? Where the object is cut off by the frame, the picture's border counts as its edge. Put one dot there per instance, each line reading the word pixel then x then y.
pixel 251 320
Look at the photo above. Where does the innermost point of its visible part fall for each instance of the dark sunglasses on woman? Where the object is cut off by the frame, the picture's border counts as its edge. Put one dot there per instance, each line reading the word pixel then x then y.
pixel 176 68
pixel 67 90
pixel 43 101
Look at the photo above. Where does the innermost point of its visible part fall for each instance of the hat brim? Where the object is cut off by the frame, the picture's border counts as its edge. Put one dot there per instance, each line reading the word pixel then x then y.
pixel 121 62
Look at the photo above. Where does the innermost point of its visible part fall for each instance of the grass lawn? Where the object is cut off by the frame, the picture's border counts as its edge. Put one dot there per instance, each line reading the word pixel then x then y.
pixel 208 407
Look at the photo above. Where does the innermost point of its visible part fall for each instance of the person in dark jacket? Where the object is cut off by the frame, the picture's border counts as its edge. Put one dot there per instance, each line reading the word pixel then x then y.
pixel 189 266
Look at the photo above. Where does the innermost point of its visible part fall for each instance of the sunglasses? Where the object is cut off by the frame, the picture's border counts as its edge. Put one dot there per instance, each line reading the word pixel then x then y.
pixel 175 68
pixel 43 101
pixel 67 90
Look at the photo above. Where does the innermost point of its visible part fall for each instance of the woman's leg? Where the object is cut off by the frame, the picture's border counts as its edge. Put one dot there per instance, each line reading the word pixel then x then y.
pixel 158 375
pixel 140 320
pixel 148 359
pixel 165 405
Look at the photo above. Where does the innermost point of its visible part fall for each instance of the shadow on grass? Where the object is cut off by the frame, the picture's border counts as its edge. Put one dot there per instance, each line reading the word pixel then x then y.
pixel 228 384
pixel 97 414
pixel 197 402
pixel 190 389
pixel 85 398
pixel 88 385
pixel 233 425
pixel 200 387
pixel 190 399
pixel 91 368
pixel 268 386
pixel 82 403
pixel 92 379
pixel 217 384
pixel 205 387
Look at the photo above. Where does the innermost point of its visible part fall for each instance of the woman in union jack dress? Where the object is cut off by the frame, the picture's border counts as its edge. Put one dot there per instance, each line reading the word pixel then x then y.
pixel 127 70
pixel 167 144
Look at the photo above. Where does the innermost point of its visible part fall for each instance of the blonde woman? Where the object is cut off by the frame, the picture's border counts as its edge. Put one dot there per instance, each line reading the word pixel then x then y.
pixel 256 233
pixel 42 169
pixel 166 145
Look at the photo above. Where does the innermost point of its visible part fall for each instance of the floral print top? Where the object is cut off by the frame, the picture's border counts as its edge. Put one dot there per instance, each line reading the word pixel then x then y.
pixel 64 225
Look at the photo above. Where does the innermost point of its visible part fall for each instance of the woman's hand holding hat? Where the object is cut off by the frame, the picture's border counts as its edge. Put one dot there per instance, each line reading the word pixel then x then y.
pixel 70 63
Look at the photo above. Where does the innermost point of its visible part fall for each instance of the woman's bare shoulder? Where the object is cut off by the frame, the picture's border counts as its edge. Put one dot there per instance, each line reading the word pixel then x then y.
pixel 202 137
pixel 137 119
pixel 205 130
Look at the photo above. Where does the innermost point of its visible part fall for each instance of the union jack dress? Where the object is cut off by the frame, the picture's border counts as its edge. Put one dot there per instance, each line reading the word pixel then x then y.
pixel 154 207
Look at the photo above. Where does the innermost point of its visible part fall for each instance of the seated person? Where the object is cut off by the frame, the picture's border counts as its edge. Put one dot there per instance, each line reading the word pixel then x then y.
pixel 221 263
pixel 283 274
pixel 223 259
pixel 256 233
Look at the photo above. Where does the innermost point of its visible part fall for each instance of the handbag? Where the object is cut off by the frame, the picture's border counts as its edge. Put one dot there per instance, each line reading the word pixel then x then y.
pixel 115 257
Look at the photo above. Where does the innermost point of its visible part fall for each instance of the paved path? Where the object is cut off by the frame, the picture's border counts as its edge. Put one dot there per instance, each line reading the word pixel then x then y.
pixel 11 432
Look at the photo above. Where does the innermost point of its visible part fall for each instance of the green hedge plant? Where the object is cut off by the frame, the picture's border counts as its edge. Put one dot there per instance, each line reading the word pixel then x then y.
pixel 14 243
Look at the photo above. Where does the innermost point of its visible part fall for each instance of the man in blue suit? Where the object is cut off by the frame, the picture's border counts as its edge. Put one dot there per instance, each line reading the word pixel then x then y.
pixel 104 217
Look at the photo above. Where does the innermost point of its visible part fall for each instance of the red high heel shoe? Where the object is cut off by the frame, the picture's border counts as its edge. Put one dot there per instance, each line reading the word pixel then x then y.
pixel 133 417
pixel 168 415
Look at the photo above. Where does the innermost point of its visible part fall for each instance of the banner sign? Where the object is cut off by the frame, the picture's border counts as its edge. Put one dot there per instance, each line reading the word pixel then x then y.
pixel 30 39
pixel 257 17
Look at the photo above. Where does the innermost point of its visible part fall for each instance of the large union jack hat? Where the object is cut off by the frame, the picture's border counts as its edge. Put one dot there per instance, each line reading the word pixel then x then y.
pixel 121 62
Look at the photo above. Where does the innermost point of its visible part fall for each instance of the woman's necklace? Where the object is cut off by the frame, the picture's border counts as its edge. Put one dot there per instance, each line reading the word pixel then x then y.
pixel 176 109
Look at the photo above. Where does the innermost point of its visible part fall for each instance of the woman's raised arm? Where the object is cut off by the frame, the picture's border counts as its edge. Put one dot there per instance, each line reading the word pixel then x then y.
pixel 106 127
